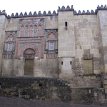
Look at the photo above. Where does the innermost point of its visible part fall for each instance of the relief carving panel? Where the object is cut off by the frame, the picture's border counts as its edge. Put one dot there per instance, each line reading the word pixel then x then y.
pixel 51 43
pixel 9 44
pixel 31 35
pixel 31 27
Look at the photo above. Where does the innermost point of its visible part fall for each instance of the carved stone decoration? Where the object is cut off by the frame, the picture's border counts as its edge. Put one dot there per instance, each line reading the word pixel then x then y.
pixel 29 54
pixel 31 35
pixel 9 44
pixel 31 27
pixel 51 43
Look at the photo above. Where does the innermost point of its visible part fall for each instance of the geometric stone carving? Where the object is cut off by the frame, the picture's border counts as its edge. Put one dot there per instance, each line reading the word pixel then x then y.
pixel 51 37
pixel 51 43
pixel 31 36
pixel 9 44
pixel 31 27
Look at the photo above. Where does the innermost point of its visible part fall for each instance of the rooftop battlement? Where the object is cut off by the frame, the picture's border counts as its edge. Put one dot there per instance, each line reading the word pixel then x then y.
pixel 54 13
pixel 3 12
pixel 35 14
pixel 102 7
pixel 68 8
pixel 92 12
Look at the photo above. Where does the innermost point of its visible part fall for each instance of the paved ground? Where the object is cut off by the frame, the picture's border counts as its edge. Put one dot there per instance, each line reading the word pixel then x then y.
pixel 16 102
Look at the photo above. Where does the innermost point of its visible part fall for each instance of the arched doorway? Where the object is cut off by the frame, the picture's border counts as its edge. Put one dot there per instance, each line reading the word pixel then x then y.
pixel 29 55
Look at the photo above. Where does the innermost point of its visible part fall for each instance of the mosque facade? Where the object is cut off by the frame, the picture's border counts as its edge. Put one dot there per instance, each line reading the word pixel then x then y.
pixel 66 45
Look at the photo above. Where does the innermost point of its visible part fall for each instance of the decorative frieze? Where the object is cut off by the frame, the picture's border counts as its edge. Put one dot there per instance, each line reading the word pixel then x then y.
pixel 31 27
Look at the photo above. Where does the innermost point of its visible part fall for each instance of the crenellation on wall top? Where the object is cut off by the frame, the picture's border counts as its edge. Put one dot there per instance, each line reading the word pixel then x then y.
pixel 25 14
pixel 3 12
pixel 30 13
pixel 16 15
pixel 35 14
pixel 60 9
pixel 92 12
pixel 21 14
pixel 12 15
pixel 102 7
pixel 63 8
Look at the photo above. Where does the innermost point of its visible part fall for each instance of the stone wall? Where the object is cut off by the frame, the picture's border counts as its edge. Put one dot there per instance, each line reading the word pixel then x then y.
pixel 102 16
pixel 79 35
pixel 13 67
pixel 79 54
pixel 87 38
pixel 3 22
pixel 46 68
pixel 35 88
pixel 48 89
pixel 76 34
pixel 7 68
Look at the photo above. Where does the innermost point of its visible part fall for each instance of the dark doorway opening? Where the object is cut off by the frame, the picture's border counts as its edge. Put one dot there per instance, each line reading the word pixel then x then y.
pixel 29 55
pixel 28 68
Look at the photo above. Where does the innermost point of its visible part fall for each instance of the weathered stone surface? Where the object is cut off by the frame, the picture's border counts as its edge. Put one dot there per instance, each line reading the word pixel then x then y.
pixel 67 45
pixel 35 88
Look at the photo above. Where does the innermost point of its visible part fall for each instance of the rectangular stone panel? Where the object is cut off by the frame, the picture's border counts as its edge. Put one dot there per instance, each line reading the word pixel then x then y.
pixel 88 66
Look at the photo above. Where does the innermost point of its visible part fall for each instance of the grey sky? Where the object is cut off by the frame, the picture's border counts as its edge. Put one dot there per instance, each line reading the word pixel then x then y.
pixel 13 6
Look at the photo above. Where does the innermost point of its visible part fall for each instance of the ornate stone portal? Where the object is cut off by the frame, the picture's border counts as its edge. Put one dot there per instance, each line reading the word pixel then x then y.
pixel 31 35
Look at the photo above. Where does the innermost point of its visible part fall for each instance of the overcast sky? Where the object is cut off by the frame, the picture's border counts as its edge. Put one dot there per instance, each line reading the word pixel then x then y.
pixel 13 6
